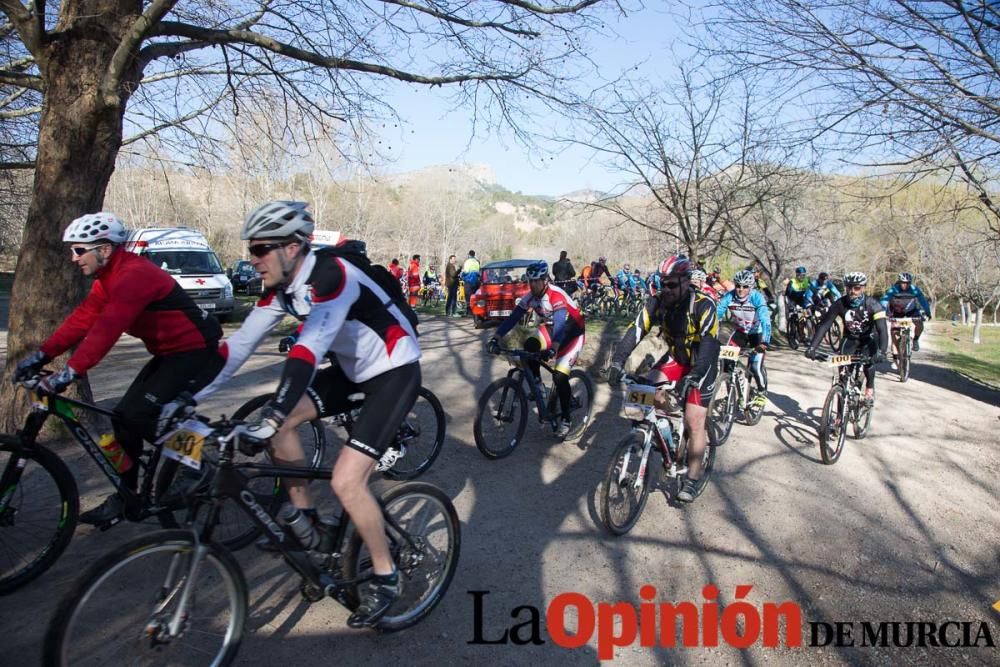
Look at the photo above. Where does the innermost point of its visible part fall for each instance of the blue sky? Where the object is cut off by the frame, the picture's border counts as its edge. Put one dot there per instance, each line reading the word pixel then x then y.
pixel 432 135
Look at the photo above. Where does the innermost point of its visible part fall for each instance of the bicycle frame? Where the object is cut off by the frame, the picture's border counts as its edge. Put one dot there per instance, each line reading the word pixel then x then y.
pixel 230 481
pixel 651 435
pixel 44 406
pixel 520 371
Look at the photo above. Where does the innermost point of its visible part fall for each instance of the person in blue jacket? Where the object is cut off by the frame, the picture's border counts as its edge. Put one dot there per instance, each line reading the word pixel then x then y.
pixel 904 299
pixel 820 289
pixel 747 309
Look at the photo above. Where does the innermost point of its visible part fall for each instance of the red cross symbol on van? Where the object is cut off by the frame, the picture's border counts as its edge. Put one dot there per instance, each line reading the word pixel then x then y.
pixel 200 281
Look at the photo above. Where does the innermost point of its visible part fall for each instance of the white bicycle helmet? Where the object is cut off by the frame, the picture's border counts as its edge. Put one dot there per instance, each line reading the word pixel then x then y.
pixel 855 278
pixel 743 279
pixel 905 277
pixel 103 226
pixel 278 219
pixel 699 275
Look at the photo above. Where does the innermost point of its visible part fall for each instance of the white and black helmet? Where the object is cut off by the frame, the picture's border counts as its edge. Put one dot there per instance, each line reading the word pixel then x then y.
pixel 278 219
pixel 855 278
pixel 905 277
pixel 743 279
pixel 95 227
pixel 699 275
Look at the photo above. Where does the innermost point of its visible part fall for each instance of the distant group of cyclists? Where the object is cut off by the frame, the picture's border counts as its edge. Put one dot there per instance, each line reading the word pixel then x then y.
pixel 347 313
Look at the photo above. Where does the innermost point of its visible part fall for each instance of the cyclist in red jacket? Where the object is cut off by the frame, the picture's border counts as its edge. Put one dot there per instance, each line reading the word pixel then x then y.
pixel 130 295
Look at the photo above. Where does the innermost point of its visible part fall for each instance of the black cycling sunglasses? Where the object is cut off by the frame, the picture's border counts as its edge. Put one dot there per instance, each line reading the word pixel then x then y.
pixel 262 249
pixel 672 284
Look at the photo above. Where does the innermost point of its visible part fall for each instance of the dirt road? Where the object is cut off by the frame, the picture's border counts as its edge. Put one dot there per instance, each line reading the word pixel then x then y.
pixel 905 527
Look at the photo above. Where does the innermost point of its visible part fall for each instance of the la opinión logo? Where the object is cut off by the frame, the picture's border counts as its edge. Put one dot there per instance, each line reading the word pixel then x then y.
pixel 739 624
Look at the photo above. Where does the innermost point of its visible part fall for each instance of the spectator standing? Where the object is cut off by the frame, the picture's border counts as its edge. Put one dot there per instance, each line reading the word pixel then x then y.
pixel 564 273
pixel 413 279
pixel 451 283
pixel 396 270
pixel 470 276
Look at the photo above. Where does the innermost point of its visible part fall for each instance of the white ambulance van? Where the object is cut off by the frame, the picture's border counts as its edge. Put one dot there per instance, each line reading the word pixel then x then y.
pixel 185 254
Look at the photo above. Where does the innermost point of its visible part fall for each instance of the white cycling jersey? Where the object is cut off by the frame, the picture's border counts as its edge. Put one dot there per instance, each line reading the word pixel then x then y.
pixel 345 313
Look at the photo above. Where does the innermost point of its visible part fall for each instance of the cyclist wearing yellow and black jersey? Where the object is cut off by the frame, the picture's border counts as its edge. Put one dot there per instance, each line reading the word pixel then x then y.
pixel 865 327
pixel 688 324
pixel 796 288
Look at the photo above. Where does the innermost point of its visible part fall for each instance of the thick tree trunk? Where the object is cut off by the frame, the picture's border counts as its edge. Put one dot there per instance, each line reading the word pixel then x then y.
pixel 78 142
pixel 977 330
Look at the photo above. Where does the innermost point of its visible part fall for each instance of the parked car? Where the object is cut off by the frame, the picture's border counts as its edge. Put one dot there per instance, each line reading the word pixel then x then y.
pixel 244 278
pixel 186 254
pixel 501 285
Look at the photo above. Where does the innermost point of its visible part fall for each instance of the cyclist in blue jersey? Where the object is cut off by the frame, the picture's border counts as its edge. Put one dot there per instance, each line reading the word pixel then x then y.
pixel 821 292
pixel 904 299
pixel 747 309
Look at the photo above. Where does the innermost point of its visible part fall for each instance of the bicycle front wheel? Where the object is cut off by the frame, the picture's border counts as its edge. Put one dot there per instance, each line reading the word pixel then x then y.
pixel 581 406
pixel 39 507
pixel 833 425
pixel 161 598
pixel 835 336
pixel 905 348
pixel 625 489
pixel 722 411
pixel 424 536
pixel 862 421
pixel 501 418
pixel 420 437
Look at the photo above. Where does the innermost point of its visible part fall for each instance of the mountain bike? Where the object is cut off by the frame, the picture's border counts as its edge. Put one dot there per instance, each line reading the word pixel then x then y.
pixel 835 334
pixel 845 403
pixel 800 327
pixel 179 597
pixel 628 480
pixel 901 331
pixel 418 441
pixel 502 412
pixel 736 394
pixel 40 503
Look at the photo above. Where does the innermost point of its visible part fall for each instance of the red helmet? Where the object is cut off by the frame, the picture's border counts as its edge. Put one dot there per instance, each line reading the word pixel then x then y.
pixel 676 265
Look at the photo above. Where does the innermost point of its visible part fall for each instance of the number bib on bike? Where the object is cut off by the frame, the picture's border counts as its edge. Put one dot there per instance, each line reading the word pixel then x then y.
pixel 730 352
pixel 186 443
pixel 841 360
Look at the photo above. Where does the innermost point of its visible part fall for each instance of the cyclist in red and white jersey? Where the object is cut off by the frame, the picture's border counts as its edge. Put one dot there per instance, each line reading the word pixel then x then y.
pixel 560 335
pixel 354 320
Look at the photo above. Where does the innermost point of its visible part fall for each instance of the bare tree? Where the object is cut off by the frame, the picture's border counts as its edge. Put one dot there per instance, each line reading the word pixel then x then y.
pixel 109 69
pixel 692 160
pixel 899 82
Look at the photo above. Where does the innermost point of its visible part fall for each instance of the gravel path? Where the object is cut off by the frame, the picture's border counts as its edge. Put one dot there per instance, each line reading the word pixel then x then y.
pixel 905 526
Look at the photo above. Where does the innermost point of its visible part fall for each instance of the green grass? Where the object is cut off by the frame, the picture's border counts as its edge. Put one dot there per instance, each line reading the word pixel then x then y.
pixel 980 362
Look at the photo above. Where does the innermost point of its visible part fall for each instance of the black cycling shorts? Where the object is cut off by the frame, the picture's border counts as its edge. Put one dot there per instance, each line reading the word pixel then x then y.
pixel 388 397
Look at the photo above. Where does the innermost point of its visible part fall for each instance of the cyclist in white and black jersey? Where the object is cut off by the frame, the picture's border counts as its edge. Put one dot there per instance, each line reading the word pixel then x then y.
pixel 376 350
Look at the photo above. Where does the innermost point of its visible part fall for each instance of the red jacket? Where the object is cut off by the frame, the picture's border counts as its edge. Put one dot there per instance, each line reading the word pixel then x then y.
pixel 396 270
pixel 132 295
pixel 413 275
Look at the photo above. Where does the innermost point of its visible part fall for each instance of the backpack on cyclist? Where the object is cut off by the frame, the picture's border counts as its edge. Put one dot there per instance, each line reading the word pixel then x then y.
pixel 354 252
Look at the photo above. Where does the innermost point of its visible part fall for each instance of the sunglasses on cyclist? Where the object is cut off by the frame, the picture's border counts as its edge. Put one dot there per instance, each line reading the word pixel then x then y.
pixel 262 249
pixel 671 284
pixel 80 252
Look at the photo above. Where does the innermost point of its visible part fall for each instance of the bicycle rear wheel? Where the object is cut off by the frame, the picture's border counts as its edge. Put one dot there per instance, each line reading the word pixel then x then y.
pixel 122 609
pixel 424 536
pixel 39 507
pixel 623 493
pixel 421 436
pixel 501 418
pixel 833 425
